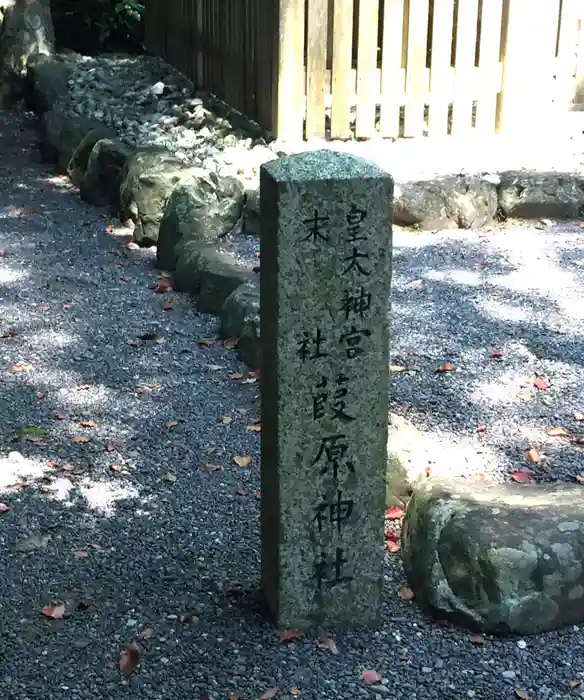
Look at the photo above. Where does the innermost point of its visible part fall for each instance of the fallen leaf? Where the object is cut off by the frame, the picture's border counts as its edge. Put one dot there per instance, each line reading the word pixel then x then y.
pixel 397 368
pixel 22 367
pixel 80 554
pixel 523 694
pixel 579 478
pixel 230 343
pixel 40 396
pixel 236 375
pixel 255 428
pixel 476 639
pixel 370 677
pixel 406 593
pixel 574 683
pixel 4 508
pixel 523 476
pixel 394 513
pixel 109 448
pixel 171 476
pixel 67 306
pixel 234 696
pixel 116 468
pixel 225 420
pixel 55 611
pixel 290 635
pixel 134 342
pixel 329 644
pixel 59 416
pixel 212 468
pixel 8 334
pixel 206 342
pixel 294 691
pixel 109 229
pixel 533 455
pixel 541 383
pixel 250 379
pixel 80 438
pixel 393 546
pixel 578 416
pixel 446 367
pixel 129 659
pixel 269 694
pixel 161 287
pixel 167 306
pixel 497 355
pixel 88 423
pixel 44 308
pixel 242 461
pixel 83 387
pixel 578 439
pixel 557 432
pixel 171 423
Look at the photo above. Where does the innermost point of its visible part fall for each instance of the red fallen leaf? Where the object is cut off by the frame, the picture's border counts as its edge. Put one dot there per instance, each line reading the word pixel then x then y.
pixel 88 423
pixel 109 229
pixel 476 639
pixel 370 677
pixel 167 306
pixel 497 355
pixel 481 428
pixel 579 478
pixel 290 635
pixel 4 508
pixel 59 416
pixel 67 306
pixel 578 416
pixel 427 470
pixel 134 342
pixel 269 693
pixel 161 287
pixel 393 546
pixel 129 659
pixel 40 395
pixel 523 476
pixel 44 308
pixel 9 334
pixel 55 611
pixel 541 383
pixel 446 367
pixel 394 513
pixel 254 373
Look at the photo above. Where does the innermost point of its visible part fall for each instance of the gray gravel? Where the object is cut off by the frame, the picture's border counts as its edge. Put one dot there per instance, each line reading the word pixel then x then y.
pixel 161 535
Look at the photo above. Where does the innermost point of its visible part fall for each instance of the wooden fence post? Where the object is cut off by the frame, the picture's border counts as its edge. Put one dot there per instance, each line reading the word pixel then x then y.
pixel 528 44
pixel 289 88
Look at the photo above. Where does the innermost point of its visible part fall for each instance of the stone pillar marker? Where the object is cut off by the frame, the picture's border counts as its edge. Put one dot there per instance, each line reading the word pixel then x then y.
pixel 325 282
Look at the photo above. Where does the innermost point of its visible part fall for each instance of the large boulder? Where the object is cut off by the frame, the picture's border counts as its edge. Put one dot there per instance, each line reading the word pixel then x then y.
pixel 62 132
pixel 500 558
pixel 240 318
pixel 204 207
pixel 100 183
pixel 78 164
pixel 452 202
pixel 27 30
pixel 147 180
pixel 47 82
pixel 532 195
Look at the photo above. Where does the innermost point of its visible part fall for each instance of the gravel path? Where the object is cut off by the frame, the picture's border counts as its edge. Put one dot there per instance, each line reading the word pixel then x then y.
pixel 120 520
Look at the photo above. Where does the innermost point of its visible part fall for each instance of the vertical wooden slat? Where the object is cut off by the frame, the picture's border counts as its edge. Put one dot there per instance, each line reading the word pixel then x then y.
pixel 392 71
pixel 466 38
pixel 341 90
pixel 489 65
pixel 289 115
pixel 316 42
pixel 367 85
pixel 579 81
pixel 567 52
pixel 441 73
pixel 416 67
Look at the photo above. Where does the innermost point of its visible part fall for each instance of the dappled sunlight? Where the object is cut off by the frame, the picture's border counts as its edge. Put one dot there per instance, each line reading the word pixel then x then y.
pixel 51 338
pixel 15 469
pixel 103 496
pixel 10 276
pixel 499 310
pixel 463 277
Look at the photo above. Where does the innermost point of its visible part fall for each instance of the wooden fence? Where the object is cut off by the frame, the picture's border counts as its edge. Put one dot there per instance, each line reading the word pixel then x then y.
pixel 351 68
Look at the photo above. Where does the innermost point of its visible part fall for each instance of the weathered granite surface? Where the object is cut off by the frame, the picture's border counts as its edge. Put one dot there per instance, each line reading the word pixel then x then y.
pixel 505 559
pixel 533 195
pixel 325 281
pixel 100 184
pixel 240 318
pixel 204 207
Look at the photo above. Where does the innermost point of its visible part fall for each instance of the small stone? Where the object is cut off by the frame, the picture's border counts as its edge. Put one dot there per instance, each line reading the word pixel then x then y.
pixel 522 644
pixel 509 675
pixel 426 669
